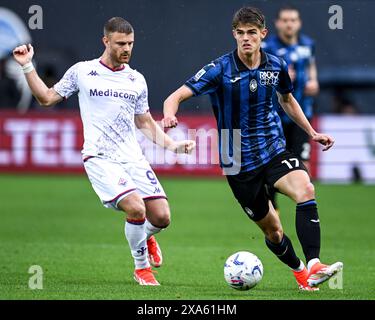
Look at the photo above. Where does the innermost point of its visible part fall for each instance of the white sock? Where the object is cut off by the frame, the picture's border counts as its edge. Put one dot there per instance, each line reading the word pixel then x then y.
pixel 136 236
pixel 151 229
pixel 312 262
pixel 301 267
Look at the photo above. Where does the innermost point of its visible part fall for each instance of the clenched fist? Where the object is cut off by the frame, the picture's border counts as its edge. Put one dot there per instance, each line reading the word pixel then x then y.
pixel 184 146
pixel 170 122
pixel 23 54
pixel 324 139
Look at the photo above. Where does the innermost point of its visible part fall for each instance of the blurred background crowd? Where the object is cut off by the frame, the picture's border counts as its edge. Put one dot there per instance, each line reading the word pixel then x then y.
pixel 175 38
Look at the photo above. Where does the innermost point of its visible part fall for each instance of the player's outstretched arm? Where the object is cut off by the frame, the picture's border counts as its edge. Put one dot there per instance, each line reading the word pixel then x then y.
pixel 45 96
pixel 294 111
pixel 171 105
pixel 152 131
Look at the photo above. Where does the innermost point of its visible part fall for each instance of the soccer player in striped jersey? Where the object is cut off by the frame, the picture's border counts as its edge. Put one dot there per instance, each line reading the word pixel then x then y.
pixel 241 85
pixel 298 51
pixel 113 100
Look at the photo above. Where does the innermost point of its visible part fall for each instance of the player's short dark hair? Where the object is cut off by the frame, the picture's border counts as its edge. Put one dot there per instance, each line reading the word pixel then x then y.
pixel 249 15
pixel 286 8
pixel 117 24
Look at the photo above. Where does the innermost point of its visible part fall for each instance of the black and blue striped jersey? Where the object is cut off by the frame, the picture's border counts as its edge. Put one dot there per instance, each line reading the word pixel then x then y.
pixel 242 99
pixel 299 56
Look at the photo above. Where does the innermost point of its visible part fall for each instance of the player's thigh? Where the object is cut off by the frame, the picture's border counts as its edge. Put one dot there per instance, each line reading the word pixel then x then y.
pixel 297 186
pixel 152 193
pixel 158 212
pixel 148 185
pixel 250 191
pixel 281 165
pixel 109 180
pixel 287 173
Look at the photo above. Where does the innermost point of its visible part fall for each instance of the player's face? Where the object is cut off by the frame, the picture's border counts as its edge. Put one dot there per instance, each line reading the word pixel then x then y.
pixel 288 23
pixel 249 38
pixel 119 46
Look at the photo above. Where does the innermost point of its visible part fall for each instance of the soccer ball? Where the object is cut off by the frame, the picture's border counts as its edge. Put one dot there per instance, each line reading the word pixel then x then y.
pixel 243 270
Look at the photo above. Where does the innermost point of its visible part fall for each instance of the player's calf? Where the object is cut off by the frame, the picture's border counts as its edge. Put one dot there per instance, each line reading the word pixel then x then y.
pixel 135 229
pixel 158 219
pixel 308 228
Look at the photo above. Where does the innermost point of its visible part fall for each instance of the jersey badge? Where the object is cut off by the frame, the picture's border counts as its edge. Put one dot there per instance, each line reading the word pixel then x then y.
pixel 253 85
pixel 122 182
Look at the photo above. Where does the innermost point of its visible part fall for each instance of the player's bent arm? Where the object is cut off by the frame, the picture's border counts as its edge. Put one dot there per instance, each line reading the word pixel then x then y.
pixel 152 131
pixel 44 95
pixel 294 111
pixel 172 103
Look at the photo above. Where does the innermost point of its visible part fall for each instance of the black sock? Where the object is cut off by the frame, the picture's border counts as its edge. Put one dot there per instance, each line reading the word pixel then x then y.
pixel 308 229
pixel 285 252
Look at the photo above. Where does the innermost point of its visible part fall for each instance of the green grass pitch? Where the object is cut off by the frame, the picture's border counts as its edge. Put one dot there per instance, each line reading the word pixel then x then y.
pixel 57 222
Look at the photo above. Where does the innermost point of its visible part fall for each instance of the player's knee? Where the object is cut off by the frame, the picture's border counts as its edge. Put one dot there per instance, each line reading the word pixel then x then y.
pixel 135 210
pixel 307 192
pixel 310 191
pixel 158 213
pixel 163 220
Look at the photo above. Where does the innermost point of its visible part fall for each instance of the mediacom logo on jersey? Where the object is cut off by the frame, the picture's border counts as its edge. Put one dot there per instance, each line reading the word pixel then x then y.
pixel 112 93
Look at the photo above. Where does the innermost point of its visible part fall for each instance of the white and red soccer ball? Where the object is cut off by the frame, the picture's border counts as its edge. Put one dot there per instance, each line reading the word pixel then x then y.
pixel 243 270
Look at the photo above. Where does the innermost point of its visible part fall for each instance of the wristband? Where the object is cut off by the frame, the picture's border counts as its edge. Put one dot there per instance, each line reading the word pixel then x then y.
pixel 28 67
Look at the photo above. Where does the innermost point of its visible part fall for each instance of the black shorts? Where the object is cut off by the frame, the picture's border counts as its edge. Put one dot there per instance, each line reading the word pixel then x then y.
pixel 250 188
pixel 297 140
